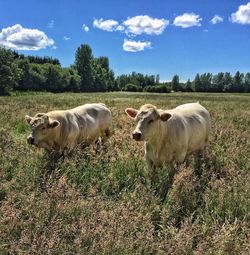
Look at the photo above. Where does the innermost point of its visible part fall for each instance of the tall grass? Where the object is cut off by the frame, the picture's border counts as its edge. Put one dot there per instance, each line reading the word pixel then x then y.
pixel 104 204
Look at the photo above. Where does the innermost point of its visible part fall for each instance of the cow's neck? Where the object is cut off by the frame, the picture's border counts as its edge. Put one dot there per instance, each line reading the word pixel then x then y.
pixel 156 144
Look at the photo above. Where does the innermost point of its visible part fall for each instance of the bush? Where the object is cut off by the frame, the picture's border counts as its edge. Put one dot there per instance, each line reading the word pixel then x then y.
pixel 132 88
pixel 157 89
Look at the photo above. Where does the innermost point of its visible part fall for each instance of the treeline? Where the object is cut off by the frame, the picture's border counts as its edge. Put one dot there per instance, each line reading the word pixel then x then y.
pixel 31 73
pixel 207 82
pixel 91 74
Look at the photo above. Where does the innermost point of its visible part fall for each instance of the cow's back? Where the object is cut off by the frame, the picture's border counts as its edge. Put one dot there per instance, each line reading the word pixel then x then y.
pixel 94 118
pixel 80 124
pixel 197 122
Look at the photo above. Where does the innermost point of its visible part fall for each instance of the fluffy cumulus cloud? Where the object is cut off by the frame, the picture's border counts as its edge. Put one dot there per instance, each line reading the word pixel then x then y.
pixel 19 38
pixel 187 20
pixel 85 28
pixel 106 25
pixel 242 16
pixel 144 24
pixel 216 19
pixel 134 46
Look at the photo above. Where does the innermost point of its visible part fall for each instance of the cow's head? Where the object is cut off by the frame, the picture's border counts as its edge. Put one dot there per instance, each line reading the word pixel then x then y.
pixel 41 126
pixel 148 119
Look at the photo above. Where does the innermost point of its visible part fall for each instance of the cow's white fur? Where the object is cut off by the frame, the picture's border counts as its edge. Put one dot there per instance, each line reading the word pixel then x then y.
pixel 63 130
pixel 172 134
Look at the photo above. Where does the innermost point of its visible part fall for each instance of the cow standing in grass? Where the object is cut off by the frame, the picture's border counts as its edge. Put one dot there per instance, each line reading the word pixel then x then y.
pixel 64 130
pixel 170 135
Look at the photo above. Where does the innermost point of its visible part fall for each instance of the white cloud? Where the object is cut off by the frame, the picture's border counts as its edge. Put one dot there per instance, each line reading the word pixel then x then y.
pixel 19 38
pixel 145 24
pixel 120 28
pixel 134 46
pixel 242 16
pixel 85 28
pixel 187 20
pixel 51 24
pixel 66 38
pixel 106 25
pixel 216 19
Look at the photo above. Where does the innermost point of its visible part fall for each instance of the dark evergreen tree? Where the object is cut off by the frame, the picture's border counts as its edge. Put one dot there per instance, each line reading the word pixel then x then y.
pixel 83 64
pixel 188 86
pixel 175 83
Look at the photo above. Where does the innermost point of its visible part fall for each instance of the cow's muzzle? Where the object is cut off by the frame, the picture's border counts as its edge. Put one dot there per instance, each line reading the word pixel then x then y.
pixel 137 136
pixel 31 140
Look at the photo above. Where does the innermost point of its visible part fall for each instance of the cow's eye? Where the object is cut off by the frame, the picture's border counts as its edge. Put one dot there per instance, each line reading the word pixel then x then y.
pixel 43 128
pixel 150 121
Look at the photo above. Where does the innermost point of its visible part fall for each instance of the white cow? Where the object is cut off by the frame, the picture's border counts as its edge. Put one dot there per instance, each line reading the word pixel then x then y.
pixel 63 130
pixel 170 135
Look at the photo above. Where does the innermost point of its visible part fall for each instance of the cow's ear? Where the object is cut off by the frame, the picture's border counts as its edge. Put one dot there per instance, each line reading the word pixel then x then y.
pixel 54 124
pixel 131 112
pixel 165 116
pixel 28 118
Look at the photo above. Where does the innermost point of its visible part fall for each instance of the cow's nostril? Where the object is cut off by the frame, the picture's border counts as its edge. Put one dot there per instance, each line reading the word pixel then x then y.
pixel 136 136
pixel 30 140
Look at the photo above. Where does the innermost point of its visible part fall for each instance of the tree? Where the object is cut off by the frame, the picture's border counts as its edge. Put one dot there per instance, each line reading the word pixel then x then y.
pixel 188 86
pixel 175 83
pixel 228 82
pixel 157 79
pixel 83 64
pixel 217 82
pixel 237 84
pixel 103 62
pixel 132 88
pixel 197 83
pixel 9 72
pixel 247 82
pixel 53 76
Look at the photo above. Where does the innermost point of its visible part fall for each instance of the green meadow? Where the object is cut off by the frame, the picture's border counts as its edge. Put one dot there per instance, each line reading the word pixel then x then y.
pixel 88 203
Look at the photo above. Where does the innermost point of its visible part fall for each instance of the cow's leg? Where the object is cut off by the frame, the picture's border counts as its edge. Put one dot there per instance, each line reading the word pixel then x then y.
pixel 168 182
pixel 105 135
pixel 152 171
pixel 97 146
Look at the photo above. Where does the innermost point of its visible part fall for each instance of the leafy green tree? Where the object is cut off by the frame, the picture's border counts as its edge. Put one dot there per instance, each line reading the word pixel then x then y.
pixel 37 79
pixel 53 78
pixel 9 72
pixel 24 81
pixel 132 88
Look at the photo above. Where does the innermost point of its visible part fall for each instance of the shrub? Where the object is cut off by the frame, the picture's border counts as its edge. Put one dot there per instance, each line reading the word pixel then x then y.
pixel 158 89
pixel 132 88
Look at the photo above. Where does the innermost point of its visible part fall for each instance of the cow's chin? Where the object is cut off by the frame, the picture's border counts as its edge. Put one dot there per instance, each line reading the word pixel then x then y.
pixel 138 139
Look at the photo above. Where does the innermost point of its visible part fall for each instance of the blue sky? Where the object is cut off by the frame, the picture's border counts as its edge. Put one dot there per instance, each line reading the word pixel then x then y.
pixel 165 37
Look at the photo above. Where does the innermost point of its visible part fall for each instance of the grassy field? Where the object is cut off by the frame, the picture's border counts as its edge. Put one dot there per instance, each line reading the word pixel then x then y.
pixel 104 204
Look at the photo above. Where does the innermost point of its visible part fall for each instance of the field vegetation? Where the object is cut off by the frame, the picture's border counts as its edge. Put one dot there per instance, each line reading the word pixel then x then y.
pixel 85 203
